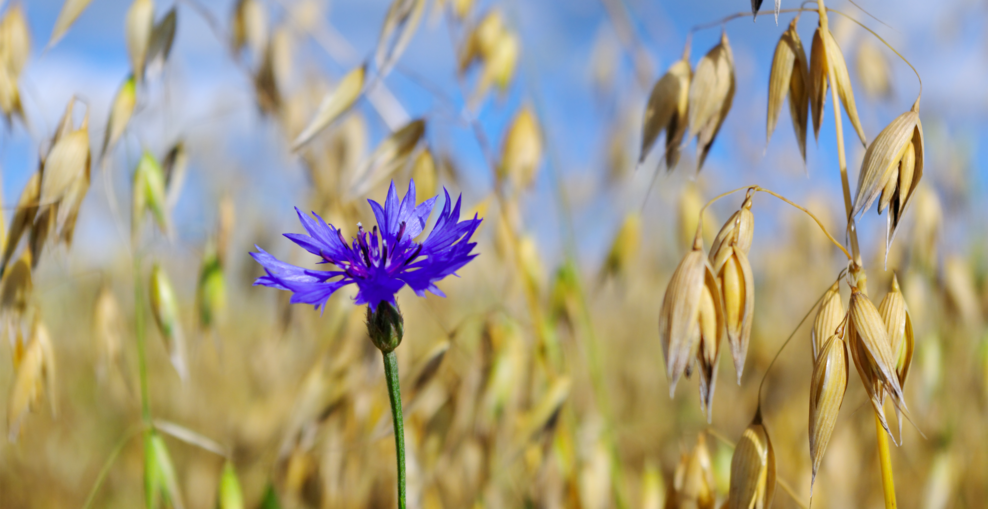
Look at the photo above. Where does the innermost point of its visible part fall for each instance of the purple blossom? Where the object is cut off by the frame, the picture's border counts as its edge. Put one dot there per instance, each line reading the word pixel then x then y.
pixel 381 261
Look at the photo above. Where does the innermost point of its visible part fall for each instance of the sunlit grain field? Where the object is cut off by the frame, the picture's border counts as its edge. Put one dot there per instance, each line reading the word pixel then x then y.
pixel 676 258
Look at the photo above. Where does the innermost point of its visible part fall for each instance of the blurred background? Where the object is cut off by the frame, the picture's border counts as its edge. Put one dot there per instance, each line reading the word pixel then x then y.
pixel 539 381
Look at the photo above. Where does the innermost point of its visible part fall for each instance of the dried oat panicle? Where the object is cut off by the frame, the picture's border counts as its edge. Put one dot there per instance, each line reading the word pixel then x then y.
pixel 108 330
pixel 138 26
pixel 624 247
pixel 15 48
pixel 521 154
pixel 738 231
pixel 736 281
pixel 27 208
pixel 891 170
pixel 693 479
pixel 249 26
pixel 34 377
pixel 333 105
pixel 71 10
pixel 871 351
pixel 752 469
pixel 899 325
pixel 711 95
pixel 691 323
pixel 667 110
pixel 827 64
pixel 873 70
pixel 828 318
pixel 827 387
pixel 790 76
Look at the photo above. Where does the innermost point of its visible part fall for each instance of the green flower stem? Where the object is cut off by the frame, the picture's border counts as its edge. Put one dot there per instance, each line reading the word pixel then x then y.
pixel 140 334
pixel 394 392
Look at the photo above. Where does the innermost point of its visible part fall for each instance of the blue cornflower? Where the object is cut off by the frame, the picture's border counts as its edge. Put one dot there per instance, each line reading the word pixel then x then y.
pixel 380 262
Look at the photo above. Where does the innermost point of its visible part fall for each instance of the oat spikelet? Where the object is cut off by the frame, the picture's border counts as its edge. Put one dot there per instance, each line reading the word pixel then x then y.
pixel 871 350
pixel 693 480
pixel 753 469
pixel 827 387
pixel 683 323
pixel 120 113
pixel 711 95
pixel 736 280
pixel 898 323
pixel 667 110
pixel 334 104
pixel 790 76
pixel 827 65
pixel 891 170
pixel 521 154
pixel 164 307
pixel 828 317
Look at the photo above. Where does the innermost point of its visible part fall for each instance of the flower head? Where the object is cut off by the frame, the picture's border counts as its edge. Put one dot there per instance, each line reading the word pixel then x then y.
pixel 380 261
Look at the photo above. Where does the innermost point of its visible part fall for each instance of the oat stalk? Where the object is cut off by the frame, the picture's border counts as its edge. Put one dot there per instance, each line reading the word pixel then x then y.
pixel 699 224
pixel 885 461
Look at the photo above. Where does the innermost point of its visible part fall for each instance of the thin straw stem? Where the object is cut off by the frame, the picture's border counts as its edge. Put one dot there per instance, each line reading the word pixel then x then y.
pixel 807 212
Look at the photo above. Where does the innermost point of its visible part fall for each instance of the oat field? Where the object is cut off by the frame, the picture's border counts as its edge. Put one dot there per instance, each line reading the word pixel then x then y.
pixel 492 254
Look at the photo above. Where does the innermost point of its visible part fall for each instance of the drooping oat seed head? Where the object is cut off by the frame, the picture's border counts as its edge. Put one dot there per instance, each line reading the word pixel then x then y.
pixel 753 469
pixel 138 26
pixel 249 26
pixel 521 154
pixel 828 318
pixel 898 324
pixel 120 113
pixel 736 281
pixel 891 170
pixel 624 248
pixel 827 387
pixel 27 208
pixel 337 102
pixel 389 156
pixel 790 76
pixel 691 315
pixel 667 110
pixel 15 40
pixel 872 353
pixel 711 95
pixel 425 174
pixel 827 65
pixel 693 480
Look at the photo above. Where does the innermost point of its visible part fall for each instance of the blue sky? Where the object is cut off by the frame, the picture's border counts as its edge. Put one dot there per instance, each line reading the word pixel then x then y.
pixel 233 148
